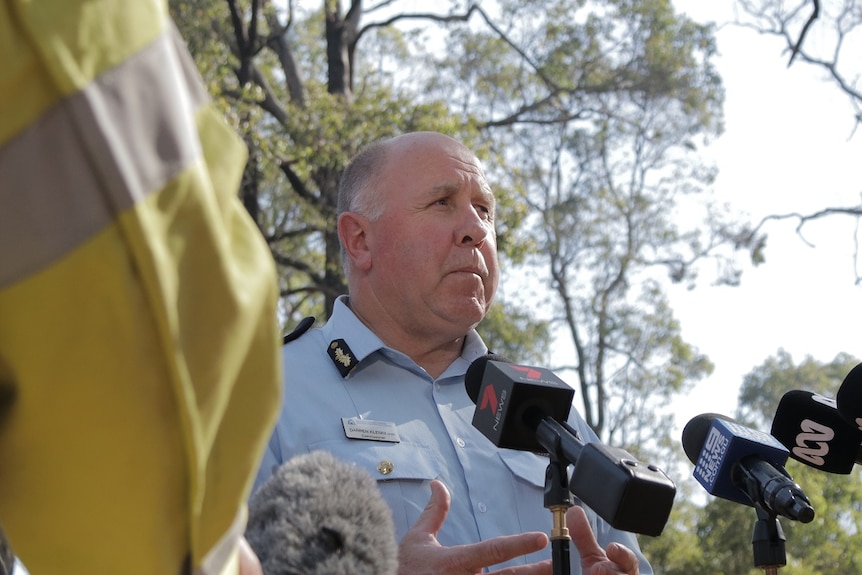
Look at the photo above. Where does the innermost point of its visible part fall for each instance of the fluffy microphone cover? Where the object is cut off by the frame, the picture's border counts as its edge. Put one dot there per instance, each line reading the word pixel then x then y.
pixel 320 516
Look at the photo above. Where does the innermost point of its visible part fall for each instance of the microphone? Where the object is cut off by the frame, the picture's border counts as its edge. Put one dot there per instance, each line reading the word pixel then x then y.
pixel 816 434
pixel 743 465
pixel 525 408
pixel 317 515
pixel 849 396
pixel 511 400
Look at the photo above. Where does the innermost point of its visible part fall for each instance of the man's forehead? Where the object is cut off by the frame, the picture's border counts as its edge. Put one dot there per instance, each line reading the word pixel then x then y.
pixel 476 186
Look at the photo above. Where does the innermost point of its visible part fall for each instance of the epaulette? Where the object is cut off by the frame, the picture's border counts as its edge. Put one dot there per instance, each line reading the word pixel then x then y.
pixel 303 326
pixel 340 354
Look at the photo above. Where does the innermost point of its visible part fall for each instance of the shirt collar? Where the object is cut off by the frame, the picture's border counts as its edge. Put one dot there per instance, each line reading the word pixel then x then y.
pixel 473 348
pixel 343 324
pixel 362 342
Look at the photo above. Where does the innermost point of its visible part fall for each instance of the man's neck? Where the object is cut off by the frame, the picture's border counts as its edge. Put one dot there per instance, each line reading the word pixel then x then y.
pixel 434 355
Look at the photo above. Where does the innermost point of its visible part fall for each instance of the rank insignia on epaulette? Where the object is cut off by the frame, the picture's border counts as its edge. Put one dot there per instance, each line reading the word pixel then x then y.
pixel 341 356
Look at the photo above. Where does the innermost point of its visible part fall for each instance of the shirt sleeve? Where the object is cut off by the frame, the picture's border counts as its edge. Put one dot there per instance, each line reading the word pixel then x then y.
pixel 139 366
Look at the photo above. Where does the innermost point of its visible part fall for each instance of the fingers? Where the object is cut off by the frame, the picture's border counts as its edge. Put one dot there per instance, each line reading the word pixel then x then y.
pixel 498 550
pixel 420 553
pixel 541 568
pixel 434 514
pixel 582 536
pixel 624 557
pixel 619 559
pixel 248 561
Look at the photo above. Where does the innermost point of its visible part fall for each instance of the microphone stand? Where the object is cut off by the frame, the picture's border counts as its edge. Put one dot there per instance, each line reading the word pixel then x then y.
pixel 767 542
pixel 558 499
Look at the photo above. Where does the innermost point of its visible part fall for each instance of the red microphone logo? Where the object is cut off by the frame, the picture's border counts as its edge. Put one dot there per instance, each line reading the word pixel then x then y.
pixel 489 399
pixel 529 372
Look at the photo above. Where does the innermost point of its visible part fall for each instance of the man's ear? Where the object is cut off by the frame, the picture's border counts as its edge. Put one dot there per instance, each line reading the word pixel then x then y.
pixel 353 231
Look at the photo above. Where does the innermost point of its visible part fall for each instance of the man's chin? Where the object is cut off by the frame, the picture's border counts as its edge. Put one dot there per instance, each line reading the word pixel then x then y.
pixel 470 313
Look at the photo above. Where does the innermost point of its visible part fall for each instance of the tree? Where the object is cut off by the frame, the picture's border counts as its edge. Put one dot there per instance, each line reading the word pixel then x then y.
pixel 678 551
pixel 619 102
pixel 827 544
pixel 814 32
pixel 819 34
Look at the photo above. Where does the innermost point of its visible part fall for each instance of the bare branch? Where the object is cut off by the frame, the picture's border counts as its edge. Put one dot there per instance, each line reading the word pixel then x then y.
pixel 804 219
pixel 298 265
pixel 814 14
pixel 242 43
pixel 777 23
pixel 292 234
pixel 415 16
pixel 277 42
pixel 252 28
pixel 269 103
pixel 298 185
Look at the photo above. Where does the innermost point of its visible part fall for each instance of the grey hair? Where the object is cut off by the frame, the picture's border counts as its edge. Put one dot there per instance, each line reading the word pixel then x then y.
pixel 357 191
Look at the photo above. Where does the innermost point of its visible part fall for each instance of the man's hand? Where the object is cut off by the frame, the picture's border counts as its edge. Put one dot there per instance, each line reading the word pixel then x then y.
pixel 248 561
pixel 617 560
pixel 421 554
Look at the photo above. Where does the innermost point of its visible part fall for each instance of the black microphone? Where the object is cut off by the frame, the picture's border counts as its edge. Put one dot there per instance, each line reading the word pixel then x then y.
pixel 317 515
pixel 849 396
pixel 511 400
pixel 743 465
pixel 816 434
pixel 525 408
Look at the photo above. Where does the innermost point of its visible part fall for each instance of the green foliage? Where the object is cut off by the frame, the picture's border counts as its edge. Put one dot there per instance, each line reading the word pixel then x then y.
pixel 510 331
pixel 678 550
pixel 763 387
pixel 724 529
pixel 828 544
pixel 825 546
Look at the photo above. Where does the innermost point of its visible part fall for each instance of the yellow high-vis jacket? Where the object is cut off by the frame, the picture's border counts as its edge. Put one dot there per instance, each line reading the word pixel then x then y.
pixel 139 366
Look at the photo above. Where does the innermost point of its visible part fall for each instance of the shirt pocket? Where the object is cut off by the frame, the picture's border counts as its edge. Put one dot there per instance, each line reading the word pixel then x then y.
pixel 526 466
pixel 386 461
pixel 402 471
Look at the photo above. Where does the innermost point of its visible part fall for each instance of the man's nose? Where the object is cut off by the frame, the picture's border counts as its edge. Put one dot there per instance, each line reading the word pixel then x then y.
pixel 473 230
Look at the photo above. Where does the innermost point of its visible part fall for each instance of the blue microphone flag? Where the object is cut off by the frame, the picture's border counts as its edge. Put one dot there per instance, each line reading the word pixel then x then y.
pixel 726 443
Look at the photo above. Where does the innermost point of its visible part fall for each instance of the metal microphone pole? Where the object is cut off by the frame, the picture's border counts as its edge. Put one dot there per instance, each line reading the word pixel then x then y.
pixel 558 499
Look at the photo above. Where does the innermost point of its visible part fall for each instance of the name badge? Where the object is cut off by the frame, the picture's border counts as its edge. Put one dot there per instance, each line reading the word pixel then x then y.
pixel 355 428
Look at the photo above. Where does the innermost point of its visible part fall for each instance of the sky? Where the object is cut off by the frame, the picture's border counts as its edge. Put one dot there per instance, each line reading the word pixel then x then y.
pixel 787 147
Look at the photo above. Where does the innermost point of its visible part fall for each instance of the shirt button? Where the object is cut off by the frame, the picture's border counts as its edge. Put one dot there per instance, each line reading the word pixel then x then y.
pixel 460 442
pixel 482 508
pixel 385 467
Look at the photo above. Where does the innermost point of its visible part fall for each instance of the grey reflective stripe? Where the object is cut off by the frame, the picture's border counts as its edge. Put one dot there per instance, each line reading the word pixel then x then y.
pixel 96 154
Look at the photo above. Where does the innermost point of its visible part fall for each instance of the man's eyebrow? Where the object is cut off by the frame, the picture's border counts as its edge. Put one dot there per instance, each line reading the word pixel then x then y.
pixel 488 195
pixel 448 189
pixel 439 189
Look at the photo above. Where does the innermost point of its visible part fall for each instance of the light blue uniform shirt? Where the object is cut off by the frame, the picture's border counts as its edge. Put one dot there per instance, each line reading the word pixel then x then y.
pixel 494 491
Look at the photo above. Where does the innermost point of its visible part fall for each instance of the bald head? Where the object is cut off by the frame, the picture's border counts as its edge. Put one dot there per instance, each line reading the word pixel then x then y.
pixel 359 190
